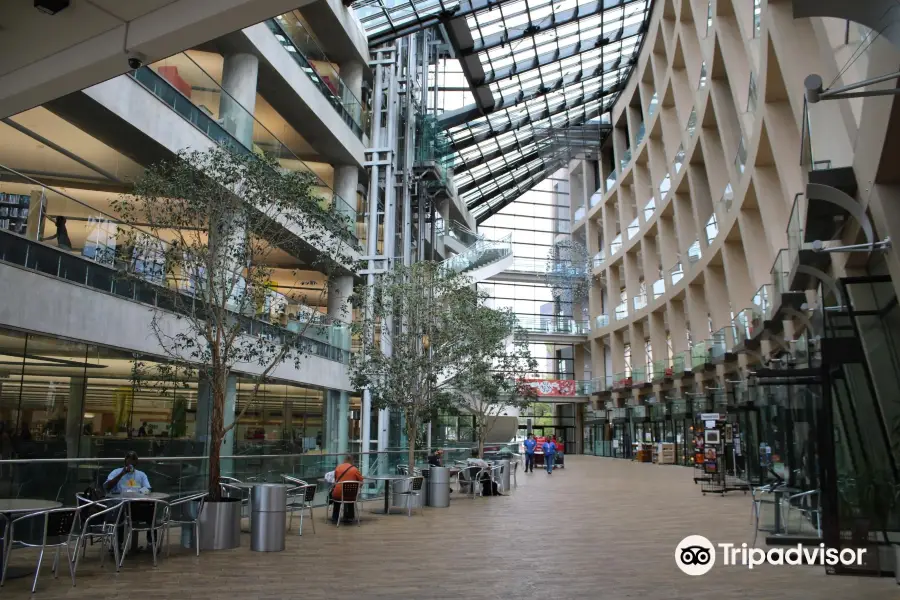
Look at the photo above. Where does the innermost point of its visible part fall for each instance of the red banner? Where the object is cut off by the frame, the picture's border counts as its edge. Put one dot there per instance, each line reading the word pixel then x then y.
pixel 552 387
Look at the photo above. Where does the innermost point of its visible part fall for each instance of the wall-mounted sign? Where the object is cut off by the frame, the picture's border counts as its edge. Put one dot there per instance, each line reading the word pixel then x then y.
pixel 709 416
pixel 552 387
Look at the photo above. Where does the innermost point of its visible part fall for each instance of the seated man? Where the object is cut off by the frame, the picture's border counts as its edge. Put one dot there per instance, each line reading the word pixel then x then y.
pixel 489 488
pixel 436 458
pixel 127 478
pixel 344 472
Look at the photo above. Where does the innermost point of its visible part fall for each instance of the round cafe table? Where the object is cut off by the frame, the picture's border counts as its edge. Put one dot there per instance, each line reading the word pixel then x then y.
pixel 12 508
pixel 388 484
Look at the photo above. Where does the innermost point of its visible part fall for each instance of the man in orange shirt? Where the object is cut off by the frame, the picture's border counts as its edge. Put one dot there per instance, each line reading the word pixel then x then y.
pixel 344 472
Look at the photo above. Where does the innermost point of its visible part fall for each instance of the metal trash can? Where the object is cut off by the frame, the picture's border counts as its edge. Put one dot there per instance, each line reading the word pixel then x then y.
pixel 268 508
pixel 506 470
pixel 438 494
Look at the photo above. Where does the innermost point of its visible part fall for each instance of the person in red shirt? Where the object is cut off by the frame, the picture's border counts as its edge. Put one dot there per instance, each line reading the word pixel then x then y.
pixel 345 471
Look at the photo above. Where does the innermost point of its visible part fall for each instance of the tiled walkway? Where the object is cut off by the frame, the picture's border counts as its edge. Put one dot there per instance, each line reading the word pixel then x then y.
pixel 602 528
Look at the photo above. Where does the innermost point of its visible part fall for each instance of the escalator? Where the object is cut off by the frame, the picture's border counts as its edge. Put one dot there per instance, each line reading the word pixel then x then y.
pixel 483 259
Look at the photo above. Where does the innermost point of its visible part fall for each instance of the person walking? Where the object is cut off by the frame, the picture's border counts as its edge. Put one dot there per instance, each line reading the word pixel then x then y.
pixel 530 445
pixel 549 449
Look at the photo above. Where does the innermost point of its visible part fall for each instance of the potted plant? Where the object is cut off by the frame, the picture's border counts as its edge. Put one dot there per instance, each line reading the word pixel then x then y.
pixel 205 227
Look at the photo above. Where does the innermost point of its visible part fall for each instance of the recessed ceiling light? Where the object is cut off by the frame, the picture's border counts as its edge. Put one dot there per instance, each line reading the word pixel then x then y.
pixel 51 7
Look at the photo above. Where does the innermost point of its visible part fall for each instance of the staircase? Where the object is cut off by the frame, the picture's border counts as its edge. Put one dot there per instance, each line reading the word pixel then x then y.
pixel 483 259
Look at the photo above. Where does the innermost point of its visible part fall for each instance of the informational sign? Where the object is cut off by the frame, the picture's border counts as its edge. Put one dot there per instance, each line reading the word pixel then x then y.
pixel 709 416
pixel 709 424
pixel 552 387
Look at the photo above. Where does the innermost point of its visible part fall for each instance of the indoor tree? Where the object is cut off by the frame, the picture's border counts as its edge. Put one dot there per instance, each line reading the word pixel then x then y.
pixel 210 233
pixel 496 375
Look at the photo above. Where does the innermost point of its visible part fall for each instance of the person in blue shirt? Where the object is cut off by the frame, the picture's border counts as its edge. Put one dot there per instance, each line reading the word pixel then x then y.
pixel 549 449
pixel 530 445
pixel 127 477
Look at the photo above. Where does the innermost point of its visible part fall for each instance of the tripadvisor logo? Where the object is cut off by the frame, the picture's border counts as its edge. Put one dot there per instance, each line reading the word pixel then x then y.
pixel 696 555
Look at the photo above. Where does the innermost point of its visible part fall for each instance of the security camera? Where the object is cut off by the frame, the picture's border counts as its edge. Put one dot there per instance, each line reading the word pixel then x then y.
pixel 136 60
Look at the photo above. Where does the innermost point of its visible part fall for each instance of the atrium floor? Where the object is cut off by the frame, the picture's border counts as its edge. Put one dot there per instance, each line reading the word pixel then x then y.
pixel 601 528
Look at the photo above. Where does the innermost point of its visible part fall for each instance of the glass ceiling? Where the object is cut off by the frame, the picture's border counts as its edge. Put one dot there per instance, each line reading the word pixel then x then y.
pixel 531 64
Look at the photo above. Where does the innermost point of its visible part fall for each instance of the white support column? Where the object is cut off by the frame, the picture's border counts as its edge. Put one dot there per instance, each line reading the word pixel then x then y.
pixel 74 415
pixel 237 105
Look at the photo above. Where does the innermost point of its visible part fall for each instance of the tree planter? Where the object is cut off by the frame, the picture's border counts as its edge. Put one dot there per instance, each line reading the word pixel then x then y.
pixel 220 524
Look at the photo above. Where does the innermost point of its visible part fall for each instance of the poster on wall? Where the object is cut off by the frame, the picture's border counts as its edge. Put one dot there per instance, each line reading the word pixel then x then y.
pixel 552 387
pixel 728 433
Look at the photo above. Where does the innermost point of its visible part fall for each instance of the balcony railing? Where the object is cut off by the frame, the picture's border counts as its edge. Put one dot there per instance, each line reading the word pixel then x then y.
pixel 633 228
pixel 712 229
pixel 615 245
pixel 625 160
pixel 718 345
pixel 641 132
pixel 781 270
pixel 659 288
pixel 742 326
pixel 649 209
pixel 550 324
pixel 610 181
pixel 480 254
pixel 622 311
pixel 601 321
pixel 795 231
pixel 678 162
pixel 622 380
pixel 740 157
pixel 654 104
pixel 579 213
pixel 694 253
pixel 599 260
pixel 596 198
pixel 676 273
pixel 639 302
pixel 639 376
pixel 292 35
pixel 762 305
pixel 661 369
pixel 681 362
pixel 703 78
pixel 700 354
pixel 665 185
pixel 692 123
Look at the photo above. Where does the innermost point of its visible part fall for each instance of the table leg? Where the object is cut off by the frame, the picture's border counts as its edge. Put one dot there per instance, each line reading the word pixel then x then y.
pixel 777 513
pixel 387 497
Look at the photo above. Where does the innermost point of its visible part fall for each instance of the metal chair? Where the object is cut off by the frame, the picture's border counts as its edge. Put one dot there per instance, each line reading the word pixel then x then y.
pixel 98 519
pixel 468 483
pixel 805 507
pixel 58 523
pixel 413 490
pixel 180 514
pixel 144 514
pixel 300 499
pixel 497 477
pixel 756 497
pixel 349 495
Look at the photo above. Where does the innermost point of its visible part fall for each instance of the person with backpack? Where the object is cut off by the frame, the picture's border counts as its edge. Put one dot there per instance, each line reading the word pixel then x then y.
pixel 549 449
pixel 345 471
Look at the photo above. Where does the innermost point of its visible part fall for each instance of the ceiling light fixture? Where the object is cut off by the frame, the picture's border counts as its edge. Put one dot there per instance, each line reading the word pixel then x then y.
pixel 51 7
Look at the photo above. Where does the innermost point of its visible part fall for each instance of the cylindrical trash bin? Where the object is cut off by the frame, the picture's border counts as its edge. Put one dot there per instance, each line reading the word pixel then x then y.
pixel 439 487
pixel 504 475
pixel 268 507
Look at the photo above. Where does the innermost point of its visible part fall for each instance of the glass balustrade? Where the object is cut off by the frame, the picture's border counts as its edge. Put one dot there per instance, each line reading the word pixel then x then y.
pixel 762 305
pixel 718 345
pixel 622 379
pixel 751 94
pixel 639 302
pixel 740 157
pixel 615 245
pixel 703 77
pixel 480 254
pixel 661 369
pixel 633 228
pixel 712 229
pixel 659 288
pixel 599 260
pixel 240 132
pixel 680 362
pixel 552 324
pixel 579 213
pixel 678 162
pixel 665 185
pixel 795 231
pixel 693 252
pixel 700 354
pixel 742 326
pixel 727 199
pixel 641 133
pixel 596 198
pixel 462 233
pixel 692 123
pixel 654 104
pixel 601 321
pixel 291 33
pixel 639 376
pixel 781 270
pixel 622 311
pixel 676 274
pixel 649 209
pixel 625 160
pixel 610 181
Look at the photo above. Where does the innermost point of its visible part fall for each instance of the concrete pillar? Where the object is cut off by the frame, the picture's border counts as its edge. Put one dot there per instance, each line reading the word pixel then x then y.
pixel 677 327
pixel 74 415
pixel 330 426
pixel 343 424
pixel 340 288
pixel 204 410
pixel 346 185
pixel 240 73
pixel 287 419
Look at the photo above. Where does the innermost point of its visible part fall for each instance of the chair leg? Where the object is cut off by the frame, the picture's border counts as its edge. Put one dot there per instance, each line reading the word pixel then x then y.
pixel 356 509
pixel 168 544
pixel 71 562
pixel 340 514
pixel 55 563
pixel 37 571
pixel 154 544
pixel 125 547
pixel 312 519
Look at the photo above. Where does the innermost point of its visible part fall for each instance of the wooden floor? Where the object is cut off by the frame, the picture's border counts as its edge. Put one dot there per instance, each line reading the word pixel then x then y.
pixel 601 528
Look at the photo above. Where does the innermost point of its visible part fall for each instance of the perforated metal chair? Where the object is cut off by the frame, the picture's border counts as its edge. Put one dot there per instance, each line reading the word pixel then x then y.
pixel 144 514
pixel 58 526
pixel 300 499
pixel 99 520
pixel 350 491
pixel 413 491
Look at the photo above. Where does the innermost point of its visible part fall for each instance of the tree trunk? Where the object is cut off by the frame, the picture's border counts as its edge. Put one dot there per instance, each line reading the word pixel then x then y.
pixel 481 442
pixel 216 434
pixel 411 438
